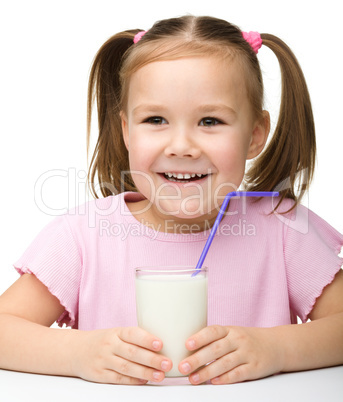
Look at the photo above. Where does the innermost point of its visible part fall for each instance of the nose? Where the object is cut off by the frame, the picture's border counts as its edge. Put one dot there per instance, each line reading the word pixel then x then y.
pixel 182 145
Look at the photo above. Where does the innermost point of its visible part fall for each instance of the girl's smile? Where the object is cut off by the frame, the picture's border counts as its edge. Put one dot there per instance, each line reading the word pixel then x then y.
pixel 184 177
pixel 189 129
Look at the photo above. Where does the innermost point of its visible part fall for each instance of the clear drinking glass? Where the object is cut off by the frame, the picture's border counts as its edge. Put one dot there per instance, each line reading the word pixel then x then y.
pixel 172 305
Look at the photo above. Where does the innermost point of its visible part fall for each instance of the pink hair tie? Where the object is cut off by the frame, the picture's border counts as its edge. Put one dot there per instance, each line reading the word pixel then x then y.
pixel 254 39
pixel 139 36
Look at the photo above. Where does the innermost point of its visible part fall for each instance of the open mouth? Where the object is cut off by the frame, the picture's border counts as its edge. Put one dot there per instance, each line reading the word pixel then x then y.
pixel 183 177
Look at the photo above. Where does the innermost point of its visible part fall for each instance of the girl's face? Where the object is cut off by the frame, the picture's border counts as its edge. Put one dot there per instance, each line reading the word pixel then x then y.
pixel 189 130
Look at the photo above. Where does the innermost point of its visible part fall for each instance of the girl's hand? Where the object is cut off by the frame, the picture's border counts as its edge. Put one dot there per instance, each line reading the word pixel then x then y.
pixel 235 354
pixel 119 356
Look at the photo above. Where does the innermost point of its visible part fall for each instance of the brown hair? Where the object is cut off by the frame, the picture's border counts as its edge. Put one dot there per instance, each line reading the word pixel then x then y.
pixel 287 163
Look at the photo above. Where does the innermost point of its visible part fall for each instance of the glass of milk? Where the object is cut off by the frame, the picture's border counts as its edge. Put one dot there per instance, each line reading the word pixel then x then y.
pixel 172 305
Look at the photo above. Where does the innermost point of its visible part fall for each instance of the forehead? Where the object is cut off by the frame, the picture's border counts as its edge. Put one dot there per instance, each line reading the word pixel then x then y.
pixel 187 78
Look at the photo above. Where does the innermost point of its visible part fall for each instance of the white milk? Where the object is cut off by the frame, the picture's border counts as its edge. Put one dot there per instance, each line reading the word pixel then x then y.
pixel 172 308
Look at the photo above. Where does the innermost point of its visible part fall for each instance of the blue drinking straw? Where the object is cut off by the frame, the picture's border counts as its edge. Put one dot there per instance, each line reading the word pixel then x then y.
pixel 220 217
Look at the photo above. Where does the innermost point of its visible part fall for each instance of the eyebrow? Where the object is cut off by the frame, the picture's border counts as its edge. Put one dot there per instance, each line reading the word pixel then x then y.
pixel 220 107
pixel 210 108
pixel 148 108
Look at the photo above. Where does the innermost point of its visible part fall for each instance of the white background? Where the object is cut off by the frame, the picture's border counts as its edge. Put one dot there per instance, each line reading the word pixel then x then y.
pixel 46 53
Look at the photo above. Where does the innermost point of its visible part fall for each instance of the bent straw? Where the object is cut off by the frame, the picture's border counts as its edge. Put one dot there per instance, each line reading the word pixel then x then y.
pixel 220 217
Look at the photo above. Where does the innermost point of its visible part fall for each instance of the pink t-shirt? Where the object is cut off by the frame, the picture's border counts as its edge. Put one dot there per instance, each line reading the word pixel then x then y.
pixel 264 269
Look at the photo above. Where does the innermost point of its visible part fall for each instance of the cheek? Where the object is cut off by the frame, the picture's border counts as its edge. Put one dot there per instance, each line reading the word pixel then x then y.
pixel 230 156
pixel 230 162
pixel 139 152
pixel 140 161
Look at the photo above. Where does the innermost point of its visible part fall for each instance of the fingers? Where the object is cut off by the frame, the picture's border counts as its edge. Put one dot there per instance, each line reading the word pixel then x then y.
pixel 138 356
pixel 237 374
pixel 227 355
pixel 140 337
pixel 226 370
pixel 141 363
pixel 120 356
pixel 113 377
pixel 121 370
pixel 221 357
pixel 141 347
pixel 213 356
pixel 211 343
pixel 206 336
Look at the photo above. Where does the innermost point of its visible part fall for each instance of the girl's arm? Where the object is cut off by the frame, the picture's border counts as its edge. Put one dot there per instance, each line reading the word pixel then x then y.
pixel 26 310
pixel 239 353
pixel 118 355
pixel 318 343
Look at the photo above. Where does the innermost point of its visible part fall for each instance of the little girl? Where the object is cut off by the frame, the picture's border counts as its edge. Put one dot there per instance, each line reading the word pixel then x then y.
pixel 180 111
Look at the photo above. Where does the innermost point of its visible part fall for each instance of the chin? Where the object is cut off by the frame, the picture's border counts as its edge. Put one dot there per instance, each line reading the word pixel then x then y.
pixel 186 209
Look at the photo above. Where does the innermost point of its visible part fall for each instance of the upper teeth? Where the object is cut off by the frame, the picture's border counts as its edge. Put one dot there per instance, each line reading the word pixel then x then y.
pixel 183 176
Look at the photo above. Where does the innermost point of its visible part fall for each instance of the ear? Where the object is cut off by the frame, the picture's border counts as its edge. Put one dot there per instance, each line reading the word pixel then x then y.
pixel 259 135
pixel 125 128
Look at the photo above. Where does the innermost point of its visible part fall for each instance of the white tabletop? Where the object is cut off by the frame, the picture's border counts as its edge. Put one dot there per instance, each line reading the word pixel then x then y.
pixel 312 386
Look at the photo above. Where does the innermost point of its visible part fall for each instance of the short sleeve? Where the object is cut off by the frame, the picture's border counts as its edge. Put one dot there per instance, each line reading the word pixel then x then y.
pixel 311 248
pixel 54 258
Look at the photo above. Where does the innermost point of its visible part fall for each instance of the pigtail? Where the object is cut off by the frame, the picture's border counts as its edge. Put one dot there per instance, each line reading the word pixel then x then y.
pixel 110 157
pixel 287 164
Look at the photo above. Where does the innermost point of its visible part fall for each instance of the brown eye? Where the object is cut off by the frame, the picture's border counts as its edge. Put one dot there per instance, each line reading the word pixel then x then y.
pixel 155 120
pixel 209 122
